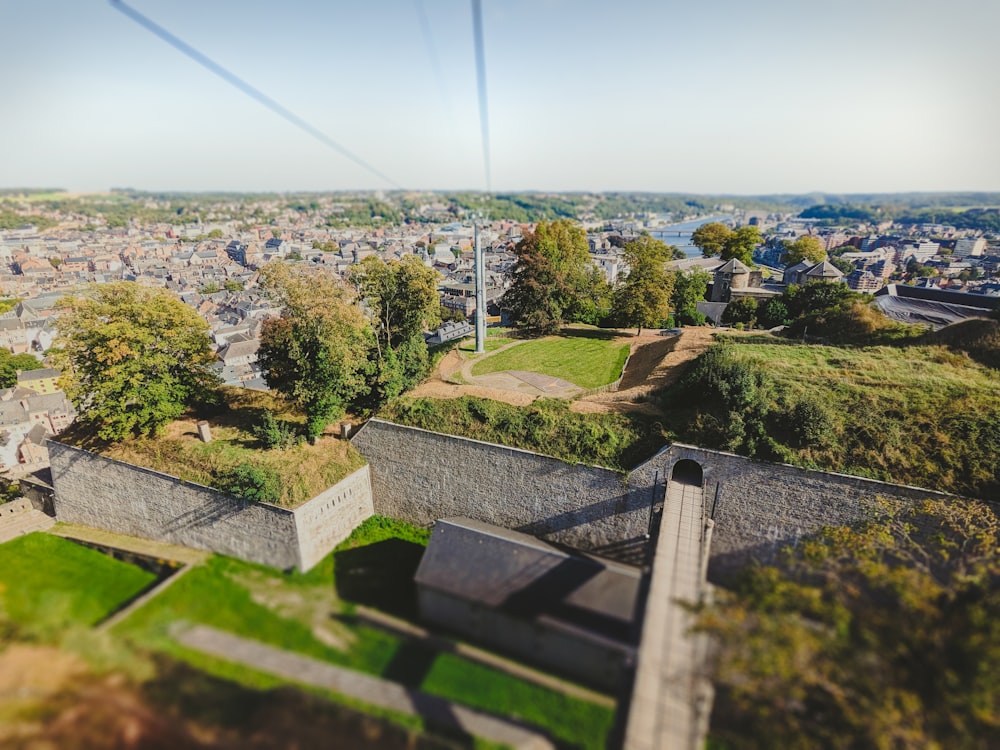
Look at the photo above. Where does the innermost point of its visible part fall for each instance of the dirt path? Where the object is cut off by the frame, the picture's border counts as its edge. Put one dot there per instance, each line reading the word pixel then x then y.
pixel 655 362
pixel 659 362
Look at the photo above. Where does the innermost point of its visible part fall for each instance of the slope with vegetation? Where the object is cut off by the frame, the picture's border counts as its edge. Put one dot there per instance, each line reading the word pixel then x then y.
pixel 883 636
pixel 919 415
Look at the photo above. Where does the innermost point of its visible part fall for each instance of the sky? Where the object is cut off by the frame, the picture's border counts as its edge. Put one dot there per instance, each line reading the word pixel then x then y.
pixel 706 96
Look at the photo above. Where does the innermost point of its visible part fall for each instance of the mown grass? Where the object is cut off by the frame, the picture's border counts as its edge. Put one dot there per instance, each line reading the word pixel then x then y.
pixel 921 415
pixel 617 441
pixel 303 470
pixel 260 603
pixel 491 344
pixel 48 584
pixel 583 361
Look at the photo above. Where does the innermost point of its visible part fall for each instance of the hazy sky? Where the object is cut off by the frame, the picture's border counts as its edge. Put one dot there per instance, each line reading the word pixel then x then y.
pixel 702 96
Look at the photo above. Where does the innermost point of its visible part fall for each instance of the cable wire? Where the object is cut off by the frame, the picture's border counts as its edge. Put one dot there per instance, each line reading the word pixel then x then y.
pixel 246 88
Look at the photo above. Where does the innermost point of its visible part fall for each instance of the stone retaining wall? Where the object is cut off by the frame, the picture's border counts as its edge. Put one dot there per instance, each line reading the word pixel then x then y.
pixel 95 491
pixel 758 507
pixel 421 476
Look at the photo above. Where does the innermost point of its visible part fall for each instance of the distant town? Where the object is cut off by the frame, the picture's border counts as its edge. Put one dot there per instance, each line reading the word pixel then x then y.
pixel 208 250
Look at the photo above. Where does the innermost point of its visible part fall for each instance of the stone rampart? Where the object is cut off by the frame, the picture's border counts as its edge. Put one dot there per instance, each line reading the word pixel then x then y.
pixel 759 508
pixel 421 476
pixel 95 491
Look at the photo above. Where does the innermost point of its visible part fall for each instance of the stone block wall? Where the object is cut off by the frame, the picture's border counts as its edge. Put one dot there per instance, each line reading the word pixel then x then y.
pixel 420 476
pixel 759 508
pixel 95 491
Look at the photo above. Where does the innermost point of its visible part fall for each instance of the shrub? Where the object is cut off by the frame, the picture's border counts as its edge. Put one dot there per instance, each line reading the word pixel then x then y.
pixel 809 424
pixel 275 433
pixel 258 484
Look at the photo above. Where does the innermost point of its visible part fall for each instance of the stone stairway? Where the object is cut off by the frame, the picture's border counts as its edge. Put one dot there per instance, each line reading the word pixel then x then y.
pixel 18 517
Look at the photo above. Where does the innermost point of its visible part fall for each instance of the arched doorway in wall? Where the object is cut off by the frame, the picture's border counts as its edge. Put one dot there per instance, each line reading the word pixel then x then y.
pixel 687 471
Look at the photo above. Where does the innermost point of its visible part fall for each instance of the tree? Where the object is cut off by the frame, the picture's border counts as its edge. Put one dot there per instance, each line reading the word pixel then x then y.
pixel 11 363
pixel 711 238
pixel 882 635
pixel 643 299
pixel 689 289
pixel 132 358
pixel 402 299
pixel 401 295
pixel 741 244
pixel 317 352
pixel 552 278
pixel 741 311
pixel 232 285
pixel 715 238
pixel 806 248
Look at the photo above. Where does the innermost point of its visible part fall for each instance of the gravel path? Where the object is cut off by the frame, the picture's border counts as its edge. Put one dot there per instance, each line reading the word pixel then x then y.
pixel 366 688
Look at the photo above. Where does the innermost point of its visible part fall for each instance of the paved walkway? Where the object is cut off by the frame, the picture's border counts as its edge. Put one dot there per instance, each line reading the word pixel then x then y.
pixel 148 547
pixel 407 629
pixel 18 517
pixel 669 708
pixel 366 688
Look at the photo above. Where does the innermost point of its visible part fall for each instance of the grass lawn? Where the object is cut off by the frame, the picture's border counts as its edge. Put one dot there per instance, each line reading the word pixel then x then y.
pixel 313 614
pixel 491 344
pixel 48 583
pixel 914 414
pixel 303 470
pixel 584 361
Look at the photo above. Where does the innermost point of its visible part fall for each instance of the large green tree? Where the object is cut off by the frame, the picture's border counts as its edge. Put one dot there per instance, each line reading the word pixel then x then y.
pixel 132 358
pixel 402 299
pixel 741 244
pixel 807 247
pixel 880 636
pixel 401 296
pixel 711 238
pixel 715 238
pixel 553 280
pixel 689 290
pixel 643 298
pixel 318 352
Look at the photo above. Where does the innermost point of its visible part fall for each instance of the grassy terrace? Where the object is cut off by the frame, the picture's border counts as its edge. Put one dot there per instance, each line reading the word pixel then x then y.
pixel 48 584
pixel 317 614
pixel 52 590
pixel 303 470
pixel 587 358
pixel 915 414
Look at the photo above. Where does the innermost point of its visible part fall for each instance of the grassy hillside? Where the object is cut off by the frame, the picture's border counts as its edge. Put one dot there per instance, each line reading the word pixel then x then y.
pixel 921 415
pixel 618 441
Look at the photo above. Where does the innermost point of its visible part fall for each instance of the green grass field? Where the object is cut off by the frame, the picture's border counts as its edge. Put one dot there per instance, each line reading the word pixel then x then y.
pixel 921 415
pixel 584 361
pixel 48 584
pixel 314 614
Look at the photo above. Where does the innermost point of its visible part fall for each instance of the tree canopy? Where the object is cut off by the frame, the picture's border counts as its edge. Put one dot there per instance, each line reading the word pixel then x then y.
pixel 887 635
pixel 317 352
pixel 11 363
pixel 132 358
pixel 689 290
pixel 553 279
pixel 643 298
pixel 715 238
pixel 401 295
pixel 807 247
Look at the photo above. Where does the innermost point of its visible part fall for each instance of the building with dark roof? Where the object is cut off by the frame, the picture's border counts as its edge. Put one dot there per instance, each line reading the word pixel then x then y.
pixel 569 612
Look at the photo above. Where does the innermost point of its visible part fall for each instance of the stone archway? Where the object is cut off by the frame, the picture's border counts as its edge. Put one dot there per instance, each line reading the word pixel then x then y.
pixel 687 471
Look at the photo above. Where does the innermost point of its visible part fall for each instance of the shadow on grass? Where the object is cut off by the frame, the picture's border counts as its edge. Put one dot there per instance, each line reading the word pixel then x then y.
pixel 605 334
pixel 380 576
pixel 281 717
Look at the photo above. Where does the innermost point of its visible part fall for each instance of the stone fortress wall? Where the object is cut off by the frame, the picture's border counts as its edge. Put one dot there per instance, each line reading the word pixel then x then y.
pixel 127 499
pixel 758 508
